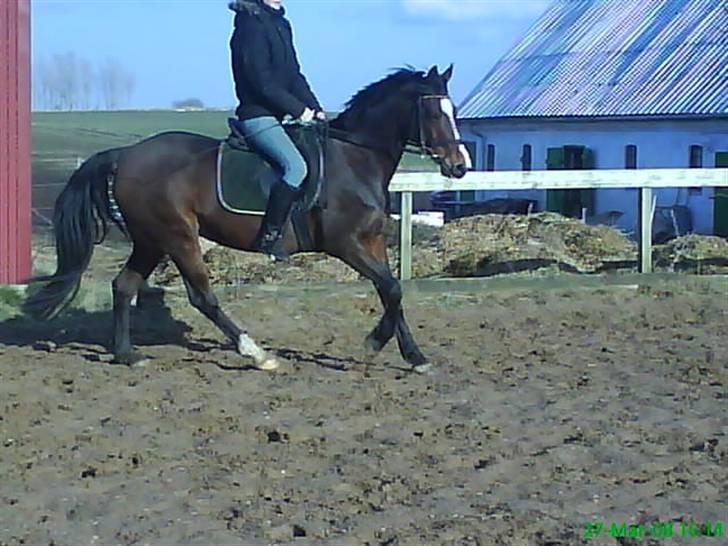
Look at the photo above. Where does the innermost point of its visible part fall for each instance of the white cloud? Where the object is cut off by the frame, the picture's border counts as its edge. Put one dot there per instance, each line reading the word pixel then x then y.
pixel 469 9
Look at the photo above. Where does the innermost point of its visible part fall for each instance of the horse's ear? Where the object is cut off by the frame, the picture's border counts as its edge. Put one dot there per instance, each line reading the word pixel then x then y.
pixel 447 74
pixel 432 73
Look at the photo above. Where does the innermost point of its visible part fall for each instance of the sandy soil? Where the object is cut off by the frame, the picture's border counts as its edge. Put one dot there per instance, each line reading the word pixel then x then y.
pixel 549 409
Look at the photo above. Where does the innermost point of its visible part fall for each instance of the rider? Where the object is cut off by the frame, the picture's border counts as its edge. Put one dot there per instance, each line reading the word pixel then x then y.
pixel 270 86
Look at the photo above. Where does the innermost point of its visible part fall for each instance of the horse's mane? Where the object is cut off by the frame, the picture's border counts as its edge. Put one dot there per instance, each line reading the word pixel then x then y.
pixel 374 94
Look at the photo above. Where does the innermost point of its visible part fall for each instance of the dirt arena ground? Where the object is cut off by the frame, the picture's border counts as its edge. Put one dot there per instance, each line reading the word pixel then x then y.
pixel 550 409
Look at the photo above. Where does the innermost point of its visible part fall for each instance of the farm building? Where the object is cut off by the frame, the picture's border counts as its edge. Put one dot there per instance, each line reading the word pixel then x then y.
pixel 598 84
pixel 14 141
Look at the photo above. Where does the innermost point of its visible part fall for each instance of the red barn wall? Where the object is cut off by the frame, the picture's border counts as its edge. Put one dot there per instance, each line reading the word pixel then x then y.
pixel 15 144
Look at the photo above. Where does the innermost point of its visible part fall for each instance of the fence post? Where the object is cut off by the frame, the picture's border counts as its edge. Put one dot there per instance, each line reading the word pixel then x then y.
pixel 405 237
pixel 646 212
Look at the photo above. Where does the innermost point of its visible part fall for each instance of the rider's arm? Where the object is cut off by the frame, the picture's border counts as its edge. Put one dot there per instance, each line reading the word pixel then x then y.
pixel 301 87
pixel 260 73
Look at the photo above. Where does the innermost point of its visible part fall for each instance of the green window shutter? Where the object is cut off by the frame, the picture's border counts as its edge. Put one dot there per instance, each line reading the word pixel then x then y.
pixel 555 158
pixel 587 159
pixel 587 195
pixel 720 203
pixel 570 202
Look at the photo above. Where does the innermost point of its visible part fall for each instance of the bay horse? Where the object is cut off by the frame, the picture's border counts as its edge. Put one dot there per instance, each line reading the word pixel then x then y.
pixel 164 188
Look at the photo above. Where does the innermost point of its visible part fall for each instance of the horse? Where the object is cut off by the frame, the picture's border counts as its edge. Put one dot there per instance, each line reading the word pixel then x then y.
pixel 161 192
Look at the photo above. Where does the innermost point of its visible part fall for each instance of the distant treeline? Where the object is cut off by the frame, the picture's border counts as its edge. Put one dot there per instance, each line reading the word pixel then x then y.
pixel 69 82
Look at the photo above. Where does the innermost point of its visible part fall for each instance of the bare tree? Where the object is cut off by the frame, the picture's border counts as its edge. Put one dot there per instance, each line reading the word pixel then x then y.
pixel 67 80
pixel 86 83
pixel 116 84
pixel 45 85
pixel 128 84
pixel 40 85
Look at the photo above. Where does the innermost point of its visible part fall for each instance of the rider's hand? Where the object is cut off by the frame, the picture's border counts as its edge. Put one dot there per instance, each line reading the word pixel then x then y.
pixel 321 116
pixel 307 116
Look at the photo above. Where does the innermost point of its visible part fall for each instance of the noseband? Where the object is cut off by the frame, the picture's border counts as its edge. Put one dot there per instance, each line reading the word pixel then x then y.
pixel 423 147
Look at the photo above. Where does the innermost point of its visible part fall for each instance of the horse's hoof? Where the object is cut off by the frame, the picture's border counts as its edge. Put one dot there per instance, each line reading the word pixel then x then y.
pixel 269 364
pixel 131 359
pixel 424 369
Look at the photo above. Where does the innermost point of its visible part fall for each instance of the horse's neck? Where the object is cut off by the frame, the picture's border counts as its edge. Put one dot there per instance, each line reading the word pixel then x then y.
pixel 386 130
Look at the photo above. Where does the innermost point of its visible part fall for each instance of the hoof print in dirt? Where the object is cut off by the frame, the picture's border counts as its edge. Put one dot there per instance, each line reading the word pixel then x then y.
pixel 424 369
pixel 47 346
pixel 284 532
pixel 131 359
pixel 273 436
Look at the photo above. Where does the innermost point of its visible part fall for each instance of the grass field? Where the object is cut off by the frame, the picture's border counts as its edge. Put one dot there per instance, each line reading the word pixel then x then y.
pixel 62 139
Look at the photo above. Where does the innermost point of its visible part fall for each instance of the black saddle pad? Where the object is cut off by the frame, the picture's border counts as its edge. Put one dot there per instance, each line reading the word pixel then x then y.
pixel 244 178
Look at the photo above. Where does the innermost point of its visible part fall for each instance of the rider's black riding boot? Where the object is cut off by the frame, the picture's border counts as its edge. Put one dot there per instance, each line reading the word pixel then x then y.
pixel 279 206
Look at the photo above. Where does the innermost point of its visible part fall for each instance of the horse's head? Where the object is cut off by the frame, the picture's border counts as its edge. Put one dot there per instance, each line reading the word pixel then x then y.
pixel 435 130
pixel 413 106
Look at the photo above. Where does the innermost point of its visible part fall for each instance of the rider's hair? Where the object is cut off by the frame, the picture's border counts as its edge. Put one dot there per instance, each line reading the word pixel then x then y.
pixel 251 6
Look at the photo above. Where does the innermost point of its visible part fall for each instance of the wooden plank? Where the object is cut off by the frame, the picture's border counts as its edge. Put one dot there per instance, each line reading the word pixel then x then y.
pixel 405 237
pixel 571 179
pixel 24 212
pixel 15 144
pixel 11 128
pixel 644 179
pixel 5 96
pixel 646 215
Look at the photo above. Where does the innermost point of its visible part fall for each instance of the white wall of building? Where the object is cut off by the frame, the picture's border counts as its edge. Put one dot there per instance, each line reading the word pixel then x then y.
pixel 660 144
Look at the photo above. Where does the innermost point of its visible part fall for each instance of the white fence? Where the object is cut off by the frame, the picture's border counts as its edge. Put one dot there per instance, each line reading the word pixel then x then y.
pixel 643 179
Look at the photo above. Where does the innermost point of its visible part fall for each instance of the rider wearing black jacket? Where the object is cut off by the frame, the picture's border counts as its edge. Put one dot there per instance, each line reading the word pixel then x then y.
pixel 268 78
pixel 270 86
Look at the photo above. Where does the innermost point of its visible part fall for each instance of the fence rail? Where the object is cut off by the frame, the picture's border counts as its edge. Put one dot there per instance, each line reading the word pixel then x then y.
pixel 643 179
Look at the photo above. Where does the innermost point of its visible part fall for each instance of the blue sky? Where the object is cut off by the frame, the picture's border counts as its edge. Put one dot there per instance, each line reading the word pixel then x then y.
pixel 179 48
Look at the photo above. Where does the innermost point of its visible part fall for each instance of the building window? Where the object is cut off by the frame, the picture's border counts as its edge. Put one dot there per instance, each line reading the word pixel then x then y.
pixel 696 162
pixel 490 158
pixel 630 156
pixel 526 158
pixel 472 150
pixel 696 157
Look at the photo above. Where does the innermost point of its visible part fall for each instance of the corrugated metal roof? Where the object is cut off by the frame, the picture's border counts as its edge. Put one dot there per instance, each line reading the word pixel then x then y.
pixel 613 58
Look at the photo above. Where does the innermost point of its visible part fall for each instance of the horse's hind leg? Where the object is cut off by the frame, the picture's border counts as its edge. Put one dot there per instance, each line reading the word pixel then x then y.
pixel 369 258
pixel 188 258
pixel 140 265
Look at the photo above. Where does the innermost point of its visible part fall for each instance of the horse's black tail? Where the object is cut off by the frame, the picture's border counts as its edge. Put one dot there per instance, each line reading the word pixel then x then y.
pixel 80 220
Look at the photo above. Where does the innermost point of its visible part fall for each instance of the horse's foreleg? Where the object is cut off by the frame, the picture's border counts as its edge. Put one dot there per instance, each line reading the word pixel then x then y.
pixel 370 259
pixel 125 286
pixel 188 259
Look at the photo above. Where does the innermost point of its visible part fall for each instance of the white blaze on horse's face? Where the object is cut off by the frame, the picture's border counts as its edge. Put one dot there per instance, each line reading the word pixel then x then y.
pixel 449 110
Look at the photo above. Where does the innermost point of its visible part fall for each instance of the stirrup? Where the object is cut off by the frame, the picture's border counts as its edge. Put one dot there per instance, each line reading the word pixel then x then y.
pixel 271 244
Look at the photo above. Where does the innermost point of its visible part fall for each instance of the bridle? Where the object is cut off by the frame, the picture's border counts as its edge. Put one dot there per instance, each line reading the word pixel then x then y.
pixel 414 145
pixel 421 147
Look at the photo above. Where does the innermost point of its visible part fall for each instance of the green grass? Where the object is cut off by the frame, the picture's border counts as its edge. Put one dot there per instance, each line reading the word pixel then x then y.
pixel 10 296
pixel 62 137
pixel 64 134
pixel 11 299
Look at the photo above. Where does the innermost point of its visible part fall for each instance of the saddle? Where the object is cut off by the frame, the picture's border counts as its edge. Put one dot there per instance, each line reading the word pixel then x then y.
pixel 245 177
